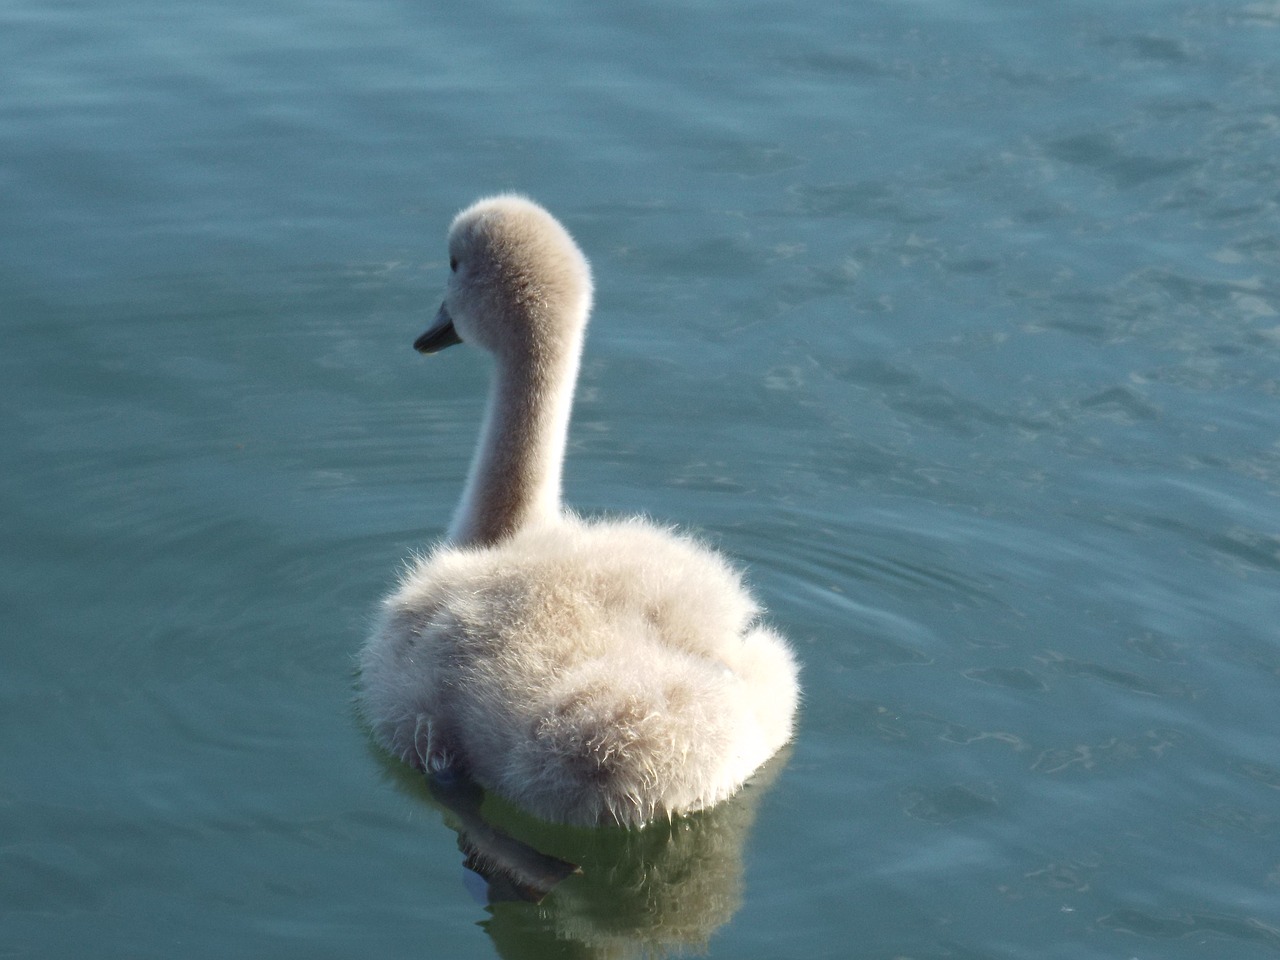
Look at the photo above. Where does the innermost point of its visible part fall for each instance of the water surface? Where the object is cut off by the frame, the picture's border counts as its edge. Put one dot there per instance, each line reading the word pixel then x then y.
pixel 956 322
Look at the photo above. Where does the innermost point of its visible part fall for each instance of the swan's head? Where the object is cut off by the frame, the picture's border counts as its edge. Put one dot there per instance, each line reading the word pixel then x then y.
pixel 518 284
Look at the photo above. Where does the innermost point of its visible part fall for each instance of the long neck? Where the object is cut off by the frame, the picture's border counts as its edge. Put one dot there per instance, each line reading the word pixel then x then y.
pixel 515 475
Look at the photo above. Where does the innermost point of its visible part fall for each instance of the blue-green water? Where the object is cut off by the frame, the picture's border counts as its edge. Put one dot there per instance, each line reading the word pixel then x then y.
pixel 957 322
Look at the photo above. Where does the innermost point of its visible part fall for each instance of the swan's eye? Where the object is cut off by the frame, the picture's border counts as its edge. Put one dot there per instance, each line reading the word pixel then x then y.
pixel 453 264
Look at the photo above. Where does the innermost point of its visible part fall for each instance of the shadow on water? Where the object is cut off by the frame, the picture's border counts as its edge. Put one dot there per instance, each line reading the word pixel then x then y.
pixel 607 892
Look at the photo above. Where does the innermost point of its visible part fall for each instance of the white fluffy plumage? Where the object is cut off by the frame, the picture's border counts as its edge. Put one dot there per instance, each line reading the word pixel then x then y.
pixel 588 671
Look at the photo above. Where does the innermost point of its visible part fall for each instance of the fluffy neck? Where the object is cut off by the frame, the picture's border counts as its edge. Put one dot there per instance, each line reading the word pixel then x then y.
pixel 514 479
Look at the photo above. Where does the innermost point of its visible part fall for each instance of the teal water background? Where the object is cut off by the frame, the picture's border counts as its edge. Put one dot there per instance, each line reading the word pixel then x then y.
pixel 956 321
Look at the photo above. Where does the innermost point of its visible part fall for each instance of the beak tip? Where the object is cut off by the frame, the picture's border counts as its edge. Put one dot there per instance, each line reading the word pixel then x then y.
pixel 439 335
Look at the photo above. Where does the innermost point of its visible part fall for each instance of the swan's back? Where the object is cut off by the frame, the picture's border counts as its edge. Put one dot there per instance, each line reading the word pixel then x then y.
pixel 590 672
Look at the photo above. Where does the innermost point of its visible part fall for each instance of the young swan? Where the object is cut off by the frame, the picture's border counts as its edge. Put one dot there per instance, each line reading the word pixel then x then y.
pixel 590 672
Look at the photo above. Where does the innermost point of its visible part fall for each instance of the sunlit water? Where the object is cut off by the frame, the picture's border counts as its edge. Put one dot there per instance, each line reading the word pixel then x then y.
pixel 956 322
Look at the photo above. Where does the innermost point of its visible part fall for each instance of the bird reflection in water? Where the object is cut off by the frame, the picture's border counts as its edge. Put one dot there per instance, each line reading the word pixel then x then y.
pixel 606 892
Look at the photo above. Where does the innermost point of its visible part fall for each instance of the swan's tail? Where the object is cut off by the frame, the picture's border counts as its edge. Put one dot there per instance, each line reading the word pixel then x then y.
pixel 615 746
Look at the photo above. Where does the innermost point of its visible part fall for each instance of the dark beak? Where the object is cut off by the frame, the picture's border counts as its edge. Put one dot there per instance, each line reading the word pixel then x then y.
pixel 439 335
